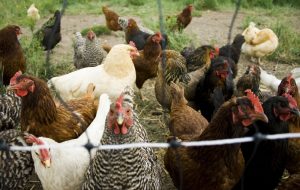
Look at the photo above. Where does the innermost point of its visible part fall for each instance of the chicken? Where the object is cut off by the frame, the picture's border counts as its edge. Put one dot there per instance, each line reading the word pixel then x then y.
pixel 184 120
pixel 215 87
pixel 146 65
pixel 133 33
pixel 135 168
pixel 267 159
pixel 10 111
pixel 233 51
pixel 41 117
pixel 173 68
pixel 123 22
pixel 196 58
pixel 64 168
pixel 49 34
pixel 88 52
pixel 215 167
pixel 249 80
pixel 117 71
pixel 16 167
pixel 183 19
pixel 12 58
pixel 288 85
pixel 33 13
pixel 111 19
pixel 259 43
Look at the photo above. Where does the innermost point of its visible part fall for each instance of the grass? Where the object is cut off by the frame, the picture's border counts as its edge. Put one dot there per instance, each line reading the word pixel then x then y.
pixel 98 30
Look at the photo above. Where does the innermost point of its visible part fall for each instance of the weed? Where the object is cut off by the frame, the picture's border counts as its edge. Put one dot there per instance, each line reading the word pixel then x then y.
pixel 98 30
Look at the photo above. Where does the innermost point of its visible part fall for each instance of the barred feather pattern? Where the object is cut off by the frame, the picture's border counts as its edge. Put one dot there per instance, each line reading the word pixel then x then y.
pixel 10 111
pixel 135 168
pixel 87 53
pixel 15 166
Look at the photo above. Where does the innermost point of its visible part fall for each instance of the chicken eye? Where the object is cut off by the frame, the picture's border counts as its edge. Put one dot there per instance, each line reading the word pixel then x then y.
pixel 128 111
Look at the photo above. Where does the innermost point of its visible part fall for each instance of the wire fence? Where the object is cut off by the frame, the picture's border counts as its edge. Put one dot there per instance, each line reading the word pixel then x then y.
pixel 174 143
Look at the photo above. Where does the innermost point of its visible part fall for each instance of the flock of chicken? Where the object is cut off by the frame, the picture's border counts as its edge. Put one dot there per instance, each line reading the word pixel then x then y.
pixel 195 86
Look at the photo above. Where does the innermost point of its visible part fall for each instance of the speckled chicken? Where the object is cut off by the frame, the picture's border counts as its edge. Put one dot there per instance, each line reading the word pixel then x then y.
pixel 10 111
pixel 135 168
pixel 88 52
pixel 15 166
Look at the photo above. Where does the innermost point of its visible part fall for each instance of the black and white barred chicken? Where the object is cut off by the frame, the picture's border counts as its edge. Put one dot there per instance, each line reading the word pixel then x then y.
pixel 134 168
pixel 15 166
pixel 87 51
pixel 10 111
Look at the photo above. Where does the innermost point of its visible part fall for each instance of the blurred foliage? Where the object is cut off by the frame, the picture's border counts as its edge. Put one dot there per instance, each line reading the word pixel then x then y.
pixel 98 30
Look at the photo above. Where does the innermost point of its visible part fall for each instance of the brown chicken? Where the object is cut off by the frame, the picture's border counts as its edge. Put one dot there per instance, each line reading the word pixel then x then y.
pixel 288 85
pixel 173 68
pixel 184 18
pixel 215 167
pixel 184 119
pixel 41 117
pixel 11 53
pixel 146 64
pixel 111 19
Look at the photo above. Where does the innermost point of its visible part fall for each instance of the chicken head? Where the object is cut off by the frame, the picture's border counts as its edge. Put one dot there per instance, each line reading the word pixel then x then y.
pixel 248 110
pixel 91 35
pixel 287 85
pixel 286 108
pixel 21 84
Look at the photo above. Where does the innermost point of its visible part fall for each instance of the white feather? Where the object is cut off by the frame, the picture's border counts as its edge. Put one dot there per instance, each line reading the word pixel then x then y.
pixel 269 80
pixel 69 165
pixel 33 12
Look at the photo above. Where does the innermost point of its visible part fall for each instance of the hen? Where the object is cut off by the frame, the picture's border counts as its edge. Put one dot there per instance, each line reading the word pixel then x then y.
pixel 10 111
pixel 184 120
pixel 12 58
pixel 196 58
pixel 215 88
pixel 41 117
pixel 16 167
pixel 88 52
pixel 134 168
pixel 146 65
pixel 111 19
pixel 49 34
pixel 173 68
pixel 265 161
pixel 64 168
pixel 116 72
pixel 133 33
pixel 123 22
pixel 183 19
pixel 259 43
pixel 33 13
pixel 215 167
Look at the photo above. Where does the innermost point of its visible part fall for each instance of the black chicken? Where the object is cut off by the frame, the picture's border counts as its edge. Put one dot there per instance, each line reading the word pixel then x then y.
pixel 265 161
pixel 215 88
pixel 49 34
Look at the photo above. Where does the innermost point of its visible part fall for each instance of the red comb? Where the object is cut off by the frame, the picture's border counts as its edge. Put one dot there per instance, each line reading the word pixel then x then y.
pixel 33 139
pixel 13 79
pixel 132 43
pixel 291 100
pixel 119 102
pixel 255 101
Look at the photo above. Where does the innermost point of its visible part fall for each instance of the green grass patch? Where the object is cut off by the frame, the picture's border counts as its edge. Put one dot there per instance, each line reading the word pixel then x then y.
pixel 98 30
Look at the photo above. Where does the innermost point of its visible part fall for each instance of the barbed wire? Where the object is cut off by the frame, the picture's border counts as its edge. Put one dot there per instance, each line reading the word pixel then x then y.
pixel 219 142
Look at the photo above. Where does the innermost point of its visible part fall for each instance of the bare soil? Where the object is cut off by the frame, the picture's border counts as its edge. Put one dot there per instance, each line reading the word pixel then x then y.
pixel 211 28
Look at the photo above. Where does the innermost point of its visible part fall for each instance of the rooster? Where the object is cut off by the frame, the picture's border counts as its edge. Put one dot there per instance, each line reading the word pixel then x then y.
pixel 116 72
pixel 55 167
pixel 111 19
pixel 16 167
pixel 135 168
pixel 41 117
pixel 10 111
pixel 266 161
pixel 12 58
pixel 195 168
pixel 49 34
pixel 87 52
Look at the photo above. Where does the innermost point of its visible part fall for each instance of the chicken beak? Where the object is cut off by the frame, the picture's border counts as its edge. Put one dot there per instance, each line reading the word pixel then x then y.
pixel 120 119
pixel 12 87
pixel 47 163
pixel 259 116
pixel 295 111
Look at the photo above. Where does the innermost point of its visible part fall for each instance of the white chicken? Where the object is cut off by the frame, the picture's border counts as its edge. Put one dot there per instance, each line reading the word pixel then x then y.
pixel 33 13
pixel 259 43
pixel 112 76
pixel 64 168
pixel 273 82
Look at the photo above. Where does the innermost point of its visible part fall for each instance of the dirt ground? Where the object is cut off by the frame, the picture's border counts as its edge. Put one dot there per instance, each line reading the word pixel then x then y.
pixel 211 27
